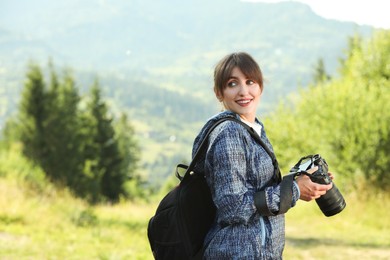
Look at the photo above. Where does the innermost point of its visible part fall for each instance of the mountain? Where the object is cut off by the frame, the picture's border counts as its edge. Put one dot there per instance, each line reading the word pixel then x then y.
pixel 155 58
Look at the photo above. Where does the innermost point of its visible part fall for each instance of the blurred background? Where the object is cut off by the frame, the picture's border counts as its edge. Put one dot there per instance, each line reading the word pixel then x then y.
pixel 100 100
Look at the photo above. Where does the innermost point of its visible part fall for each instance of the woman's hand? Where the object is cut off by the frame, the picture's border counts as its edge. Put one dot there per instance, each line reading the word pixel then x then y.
pixel 310 190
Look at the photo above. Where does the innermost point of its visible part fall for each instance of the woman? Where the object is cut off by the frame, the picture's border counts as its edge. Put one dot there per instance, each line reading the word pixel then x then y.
pixel 237 168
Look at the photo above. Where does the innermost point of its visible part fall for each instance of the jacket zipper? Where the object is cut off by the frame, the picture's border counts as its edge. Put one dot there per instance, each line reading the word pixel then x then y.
pixel 262 227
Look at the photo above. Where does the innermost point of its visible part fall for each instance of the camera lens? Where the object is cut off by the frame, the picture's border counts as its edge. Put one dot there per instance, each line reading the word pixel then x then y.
pixel 332 202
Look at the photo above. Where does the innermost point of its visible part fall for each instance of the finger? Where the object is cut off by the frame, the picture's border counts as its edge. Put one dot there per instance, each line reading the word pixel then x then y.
pixel 322 187
pixel 316 197
pixel 312 170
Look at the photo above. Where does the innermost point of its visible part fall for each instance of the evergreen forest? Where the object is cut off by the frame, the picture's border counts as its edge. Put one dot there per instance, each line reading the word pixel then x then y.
pixel 73 139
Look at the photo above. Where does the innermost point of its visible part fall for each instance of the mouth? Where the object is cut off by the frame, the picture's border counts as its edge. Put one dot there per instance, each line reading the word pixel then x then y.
pixel 244 102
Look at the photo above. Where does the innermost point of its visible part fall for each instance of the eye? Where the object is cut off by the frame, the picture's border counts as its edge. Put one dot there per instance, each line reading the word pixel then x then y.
pixel 231 84
pixel 250 82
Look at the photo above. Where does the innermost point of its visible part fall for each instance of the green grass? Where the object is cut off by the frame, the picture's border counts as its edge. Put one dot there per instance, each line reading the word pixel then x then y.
pixel 360 231
pixel 57 226
pixel 38 221
pixel 54 225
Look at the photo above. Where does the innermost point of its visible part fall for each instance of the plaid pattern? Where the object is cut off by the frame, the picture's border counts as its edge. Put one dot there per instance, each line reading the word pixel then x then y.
pixel 235 168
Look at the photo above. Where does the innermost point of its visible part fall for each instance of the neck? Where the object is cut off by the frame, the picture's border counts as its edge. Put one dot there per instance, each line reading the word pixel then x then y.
pixel 250 120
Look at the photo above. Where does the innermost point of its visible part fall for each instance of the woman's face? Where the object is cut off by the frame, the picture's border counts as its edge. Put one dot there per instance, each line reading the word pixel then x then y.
pixel 241 95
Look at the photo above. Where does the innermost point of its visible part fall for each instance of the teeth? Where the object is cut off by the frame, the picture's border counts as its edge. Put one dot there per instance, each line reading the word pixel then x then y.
pixel 243 101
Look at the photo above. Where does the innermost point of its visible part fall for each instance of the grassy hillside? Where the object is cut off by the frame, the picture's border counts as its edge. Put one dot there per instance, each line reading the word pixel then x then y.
pixel 54 225
pixel 361 231
pixel 39 221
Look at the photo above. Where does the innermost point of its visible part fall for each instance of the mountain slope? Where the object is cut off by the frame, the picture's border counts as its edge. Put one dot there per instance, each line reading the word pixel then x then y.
pixel 155 58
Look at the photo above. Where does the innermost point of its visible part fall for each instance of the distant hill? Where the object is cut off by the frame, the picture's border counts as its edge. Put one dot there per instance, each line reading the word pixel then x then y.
pixel 182 38
pixel 155 58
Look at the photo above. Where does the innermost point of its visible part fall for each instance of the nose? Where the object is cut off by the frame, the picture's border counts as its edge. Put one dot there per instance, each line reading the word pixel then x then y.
pixel 243 89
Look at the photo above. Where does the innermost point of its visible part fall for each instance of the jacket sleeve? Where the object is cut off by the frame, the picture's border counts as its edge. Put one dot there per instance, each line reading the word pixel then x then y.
pixel 226 174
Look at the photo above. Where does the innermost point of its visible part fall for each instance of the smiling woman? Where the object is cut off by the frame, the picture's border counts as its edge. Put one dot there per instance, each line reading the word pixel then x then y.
pixel 241 174
pixel 239 84
pixel 241 95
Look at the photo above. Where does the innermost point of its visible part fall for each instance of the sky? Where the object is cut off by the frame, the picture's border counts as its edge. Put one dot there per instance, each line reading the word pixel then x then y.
pixel 362 12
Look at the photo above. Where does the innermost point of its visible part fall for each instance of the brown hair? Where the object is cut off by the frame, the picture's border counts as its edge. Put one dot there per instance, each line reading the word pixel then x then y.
pixel 244 62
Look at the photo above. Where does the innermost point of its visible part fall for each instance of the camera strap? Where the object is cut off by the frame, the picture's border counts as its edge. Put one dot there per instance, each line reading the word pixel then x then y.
pixel 285 198
pixel 286 184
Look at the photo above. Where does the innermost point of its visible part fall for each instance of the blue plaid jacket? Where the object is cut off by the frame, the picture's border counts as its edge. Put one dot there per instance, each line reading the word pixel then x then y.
pixel 236 167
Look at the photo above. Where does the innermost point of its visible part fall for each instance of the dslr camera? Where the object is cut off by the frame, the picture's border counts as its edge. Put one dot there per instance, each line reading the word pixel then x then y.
pixel 332 202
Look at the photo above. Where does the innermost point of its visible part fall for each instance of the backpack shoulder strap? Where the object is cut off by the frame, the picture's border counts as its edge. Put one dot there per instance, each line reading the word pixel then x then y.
pixel 277 176
pixel 201 150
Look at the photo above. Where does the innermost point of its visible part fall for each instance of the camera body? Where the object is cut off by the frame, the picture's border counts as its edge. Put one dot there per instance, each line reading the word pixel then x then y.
pixel 332 202
pixel 320 176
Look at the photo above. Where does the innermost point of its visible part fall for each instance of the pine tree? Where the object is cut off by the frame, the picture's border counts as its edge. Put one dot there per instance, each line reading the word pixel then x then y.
pixel 129 150
pixel 63 131
pixel 51 124
pixel 320 74
pixel 33 115
pixel 102 150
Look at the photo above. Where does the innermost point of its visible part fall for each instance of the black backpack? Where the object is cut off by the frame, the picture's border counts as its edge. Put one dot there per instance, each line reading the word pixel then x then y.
pixel 186 213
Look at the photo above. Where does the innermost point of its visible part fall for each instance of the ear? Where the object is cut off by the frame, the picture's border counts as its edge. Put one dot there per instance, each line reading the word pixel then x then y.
pixel 218 95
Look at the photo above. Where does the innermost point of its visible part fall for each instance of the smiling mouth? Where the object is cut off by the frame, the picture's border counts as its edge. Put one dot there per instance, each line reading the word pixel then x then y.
pixel 243 102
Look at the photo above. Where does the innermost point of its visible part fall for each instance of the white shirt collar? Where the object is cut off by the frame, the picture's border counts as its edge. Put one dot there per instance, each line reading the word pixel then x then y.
pixel 256 126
